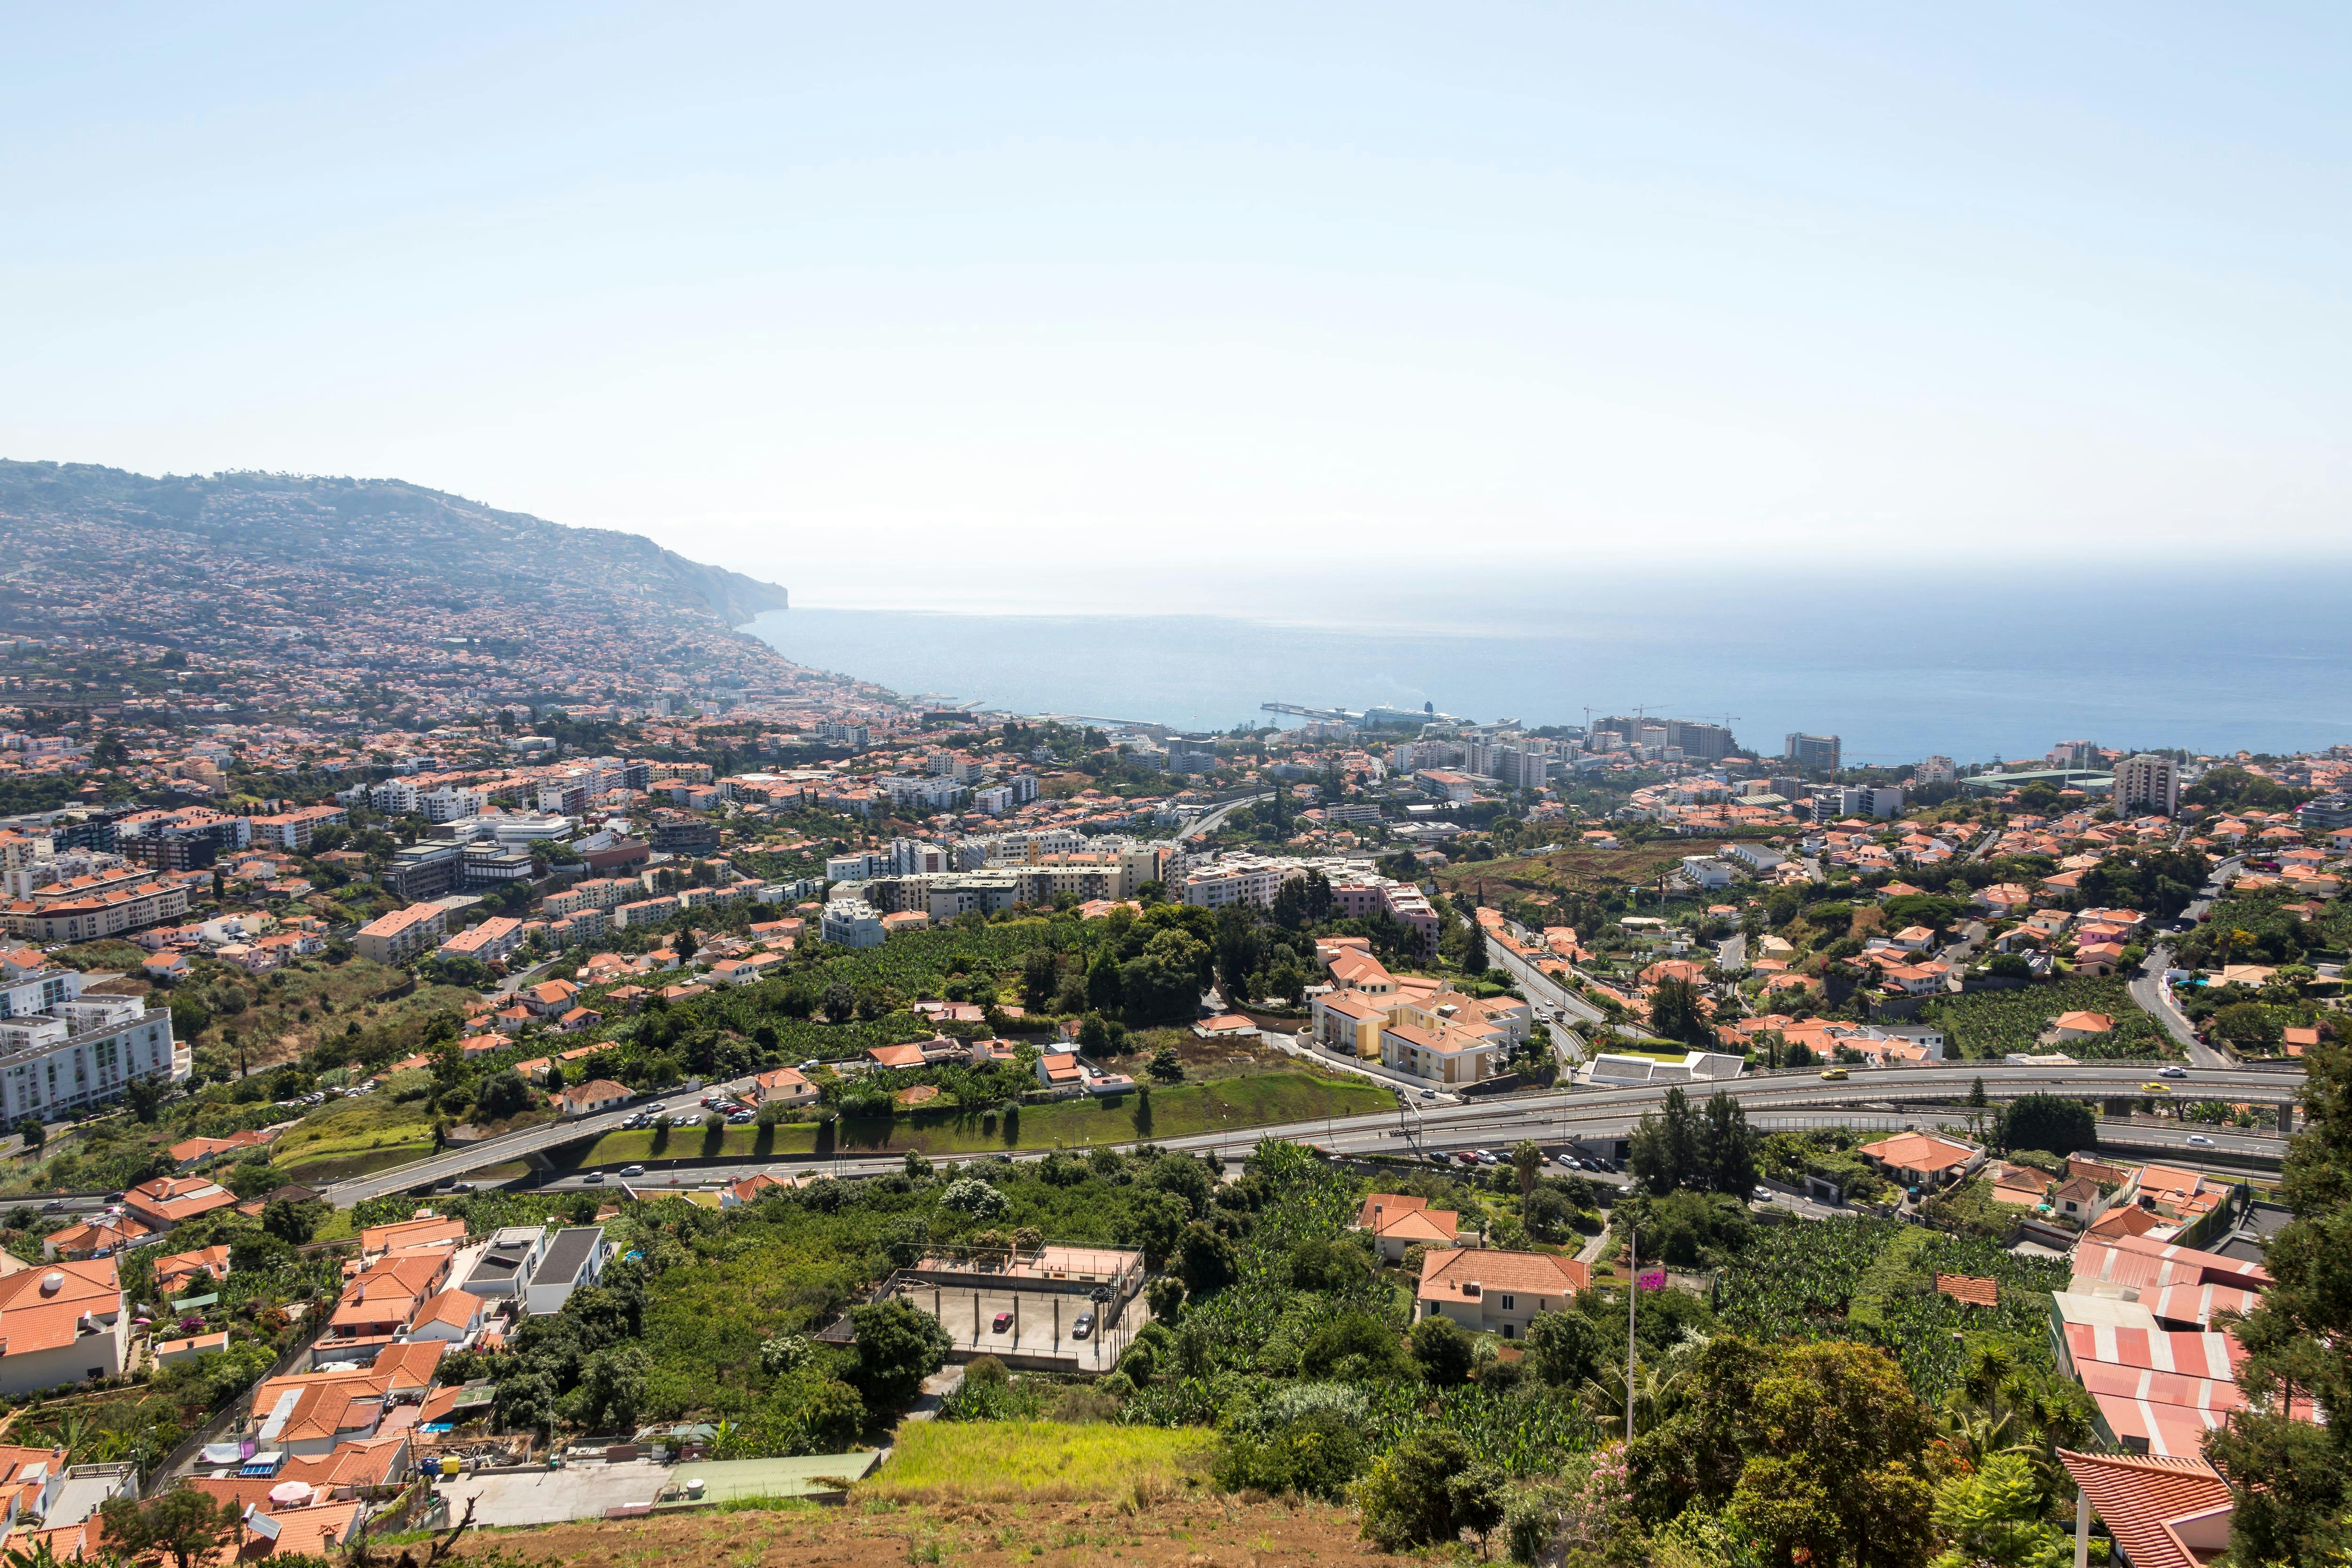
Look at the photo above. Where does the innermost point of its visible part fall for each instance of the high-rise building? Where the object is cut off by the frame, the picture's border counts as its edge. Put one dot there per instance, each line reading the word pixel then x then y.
pixel 1936 771
pixel 2150 782
pixel 1708 742
pixel 2076 754
pixel 1814 753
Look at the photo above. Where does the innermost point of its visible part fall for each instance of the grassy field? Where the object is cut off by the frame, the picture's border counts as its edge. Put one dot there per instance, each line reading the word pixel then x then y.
pixel 371 1127
pixel 1193 1528
pixel 1010 1461
pixel 1579 868
pixel 1261 1100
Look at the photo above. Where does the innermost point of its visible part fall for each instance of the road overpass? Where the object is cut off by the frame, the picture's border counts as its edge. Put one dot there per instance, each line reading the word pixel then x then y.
pixel 1770 1100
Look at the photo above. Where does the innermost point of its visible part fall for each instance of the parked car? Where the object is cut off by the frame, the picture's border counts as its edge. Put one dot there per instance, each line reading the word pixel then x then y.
pixel 1762 1194
pixel 1083 1327
pixel 741 1118
pixel 1001 1322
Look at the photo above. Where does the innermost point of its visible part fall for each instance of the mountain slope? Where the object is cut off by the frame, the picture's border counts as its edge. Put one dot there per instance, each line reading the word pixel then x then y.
pixel 319 596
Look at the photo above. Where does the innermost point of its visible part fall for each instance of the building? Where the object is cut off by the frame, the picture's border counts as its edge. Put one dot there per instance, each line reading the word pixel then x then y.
pixel 1935 771
pixel 573 1261
pixel 425 870
pixel 2147 782
pixel 505 1269
pixel 66 1322
pixel 61 1051
pixel 488 942
pixel 1396 1222
pixel 1813 753
pixel 402 935
pixel 1922 1160
pixel 852 922
pixel 1491 1292
pixel 167 1201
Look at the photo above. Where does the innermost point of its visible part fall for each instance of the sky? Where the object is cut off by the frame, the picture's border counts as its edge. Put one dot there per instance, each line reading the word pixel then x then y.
pixel 1035 306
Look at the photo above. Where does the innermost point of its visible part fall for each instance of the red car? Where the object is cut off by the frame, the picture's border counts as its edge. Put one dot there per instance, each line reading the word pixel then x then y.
pixel 1004 1321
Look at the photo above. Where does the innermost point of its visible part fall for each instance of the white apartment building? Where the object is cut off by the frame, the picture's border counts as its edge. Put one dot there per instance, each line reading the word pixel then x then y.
pixel 61 1051
pixel 852 922
pixel 451 803
pixel 1255 879
pixel 2150 782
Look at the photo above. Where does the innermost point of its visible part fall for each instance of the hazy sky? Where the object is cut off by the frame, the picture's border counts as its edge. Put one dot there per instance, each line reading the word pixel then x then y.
pixel 887 301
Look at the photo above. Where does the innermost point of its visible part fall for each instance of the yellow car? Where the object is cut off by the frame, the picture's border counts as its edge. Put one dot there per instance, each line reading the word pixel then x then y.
pixel 1833 1074
pixel 2153 1088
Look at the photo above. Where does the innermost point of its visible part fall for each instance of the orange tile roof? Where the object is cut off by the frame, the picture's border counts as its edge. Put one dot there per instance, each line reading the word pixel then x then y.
pixel 2143 1498
pixel 1968 1288
pixel 1463 1275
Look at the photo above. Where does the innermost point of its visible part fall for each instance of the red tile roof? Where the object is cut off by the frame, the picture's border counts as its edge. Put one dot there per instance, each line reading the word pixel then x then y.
pixel 2145 1500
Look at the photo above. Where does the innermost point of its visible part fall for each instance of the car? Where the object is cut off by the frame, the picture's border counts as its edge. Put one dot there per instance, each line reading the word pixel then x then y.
pixel 1467 1157
pixel 54 1205
pixel 461 1186
pixel 1440 1157
pixel 741 1118
pixel 1762 1194
pixel 1083 1327
pixel 1000 1323
pixel 633 1170
pixel 657 1108
pixel 2199 1141
pixel 2172 1072
pixel 1833 1074
pixel 593 1178
pixel 1572 1162
pixel 2152 1087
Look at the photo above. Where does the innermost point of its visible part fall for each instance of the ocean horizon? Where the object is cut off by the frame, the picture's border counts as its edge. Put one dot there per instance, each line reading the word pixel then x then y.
pixel 1963 665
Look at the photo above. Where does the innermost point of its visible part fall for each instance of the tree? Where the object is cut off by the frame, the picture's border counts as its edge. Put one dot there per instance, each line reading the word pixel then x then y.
pixel 500 1095
pixel 32 1130
pixel 1818 1449
pixel 1408 1498
pixel 2291 1478
pixel 184 1524
pixel 1473 951
pixel 144 1095
pixel 970 1196
pixel 1443 1351
pixel 1106 987
pixel 1729 1146
pixel 1162 983
pixel 1165 1065
pixel 898 1345
pixel 1041 976
pixel 917 1166
pixel 1666 1147
pixel 1527 1164
pixel 1678 1012
pixel 294 1223
pixel 1994 1519
pixel 1564 1349
pixel 2048 1123
pixel 1204 1260
pixel 614 1385
pixel 2249 1026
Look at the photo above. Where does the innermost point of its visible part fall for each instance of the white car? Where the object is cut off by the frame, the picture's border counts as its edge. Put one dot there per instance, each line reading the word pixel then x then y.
pixel 2199 1141
pixel 2172 1072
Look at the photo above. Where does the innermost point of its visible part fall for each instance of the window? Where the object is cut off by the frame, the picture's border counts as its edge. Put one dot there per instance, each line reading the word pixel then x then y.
pixel 1509 1303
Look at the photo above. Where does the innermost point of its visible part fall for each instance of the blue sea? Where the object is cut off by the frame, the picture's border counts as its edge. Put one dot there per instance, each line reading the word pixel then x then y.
pixel 1974 664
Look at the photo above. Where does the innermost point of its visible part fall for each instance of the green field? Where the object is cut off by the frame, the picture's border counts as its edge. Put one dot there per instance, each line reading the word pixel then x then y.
pixel 1013 1461
pixel 1261 1100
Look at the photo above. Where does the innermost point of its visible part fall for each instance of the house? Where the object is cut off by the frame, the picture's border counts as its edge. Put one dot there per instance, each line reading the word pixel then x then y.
pixel 167 1201
pixel 194 1150
pixel 98 1238
pixel 2077 1198
pixel 379 1304
pixel 895 1056
pixel 64 1322
pixel 452 1315
pixel 2161 1511
pixel 736 1194
pixel 185 1273
pixel 170 1351
pixel 2082 1026
pixel 313 1413
pixel 2022 1187
pixel 574 1259
pixel 1395 1222
pixel 588 1099
pixel 427 1229
pixel 167 966
pixel 1060 1069
pixel 549 998
pixel 785 1085
pixel 504 1269
pixel 1349 1022
pixel 1922 1160
pixel 1495 1292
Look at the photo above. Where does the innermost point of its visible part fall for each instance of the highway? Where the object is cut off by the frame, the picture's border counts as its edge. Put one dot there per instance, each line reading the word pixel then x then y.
pixel 1770 1099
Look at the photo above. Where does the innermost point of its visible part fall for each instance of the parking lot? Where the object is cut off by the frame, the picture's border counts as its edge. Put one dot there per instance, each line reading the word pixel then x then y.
pixel 1041 1323
pixel 551 1496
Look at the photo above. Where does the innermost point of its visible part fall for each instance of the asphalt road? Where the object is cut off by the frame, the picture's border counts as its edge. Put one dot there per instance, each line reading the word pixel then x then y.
pixel 1555 1117
pixel 2147 987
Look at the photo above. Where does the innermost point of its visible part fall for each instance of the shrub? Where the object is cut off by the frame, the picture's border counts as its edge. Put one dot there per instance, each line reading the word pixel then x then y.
pixel 1317 1456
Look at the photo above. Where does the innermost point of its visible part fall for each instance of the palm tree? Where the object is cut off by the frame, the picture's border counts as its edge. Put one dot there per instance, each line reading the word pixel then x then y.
pixel 73 1431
